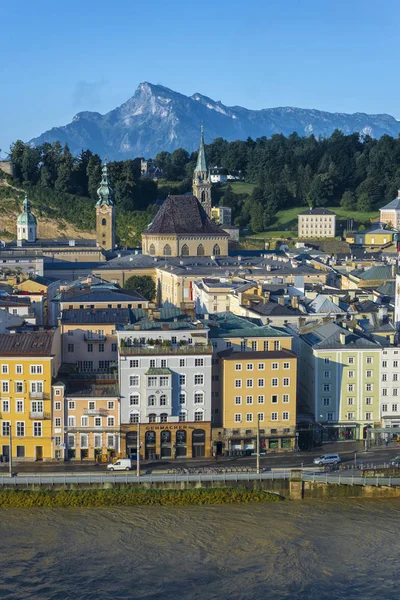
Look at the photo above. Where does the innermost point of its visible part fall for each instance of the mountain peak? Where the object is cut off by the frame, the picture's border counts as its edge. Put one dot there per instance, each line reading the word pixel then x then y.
pixel 158 118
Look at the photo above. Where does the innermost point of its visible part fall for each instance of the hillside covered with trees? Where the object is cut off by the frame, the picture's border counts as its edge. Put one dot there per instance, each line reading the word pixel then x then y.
pixel 358 174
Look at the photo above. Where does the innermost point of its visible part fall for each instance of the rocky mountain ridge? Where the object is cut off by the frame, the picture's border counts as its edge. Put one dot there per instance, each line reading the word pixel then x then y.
pixel 156 118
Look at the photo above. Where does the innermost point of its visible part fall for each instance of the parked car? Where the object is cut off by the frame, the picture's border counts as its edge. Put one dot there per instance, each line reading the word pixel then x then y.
pixel 327 459
pixel 122 464
pixel 395 462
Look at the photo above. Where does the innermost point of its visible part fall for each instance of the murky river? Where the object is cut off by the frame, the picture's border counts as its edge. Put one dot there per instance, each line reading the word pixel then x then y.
pixel 288 550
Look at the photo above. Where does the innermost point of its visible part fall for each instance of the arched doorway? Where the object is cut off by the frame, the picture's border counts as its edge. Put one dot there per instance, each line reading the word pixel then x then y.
pixel 165 444
pixel 185 250
pixel 198 443
pixel 181 444
pixel 200 250
pixel 150 444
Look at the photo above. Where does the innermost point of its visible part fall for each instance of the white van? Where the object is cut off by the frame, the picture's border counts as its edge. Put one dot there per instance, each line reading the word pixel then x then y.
pixel 122 464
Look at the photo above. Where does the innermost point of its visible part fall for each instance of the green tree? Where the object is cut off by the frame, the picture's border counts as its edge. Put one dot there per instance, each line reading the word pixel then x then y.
pixel 143 284
pixel 348 200
pixel 321 190
pixel 364 203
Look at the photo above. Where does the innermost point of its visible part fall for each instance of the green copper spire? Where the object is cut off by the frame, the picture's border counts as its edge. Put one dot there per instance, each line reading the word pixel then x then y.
pixel 105 191
pixel 26 217
pixel 201 158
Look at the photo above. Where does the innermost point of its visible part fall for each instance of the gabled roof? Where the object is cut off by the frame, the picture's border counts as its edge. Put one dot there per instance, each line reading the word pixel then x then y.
pixel 95 294
pixel 227 324
pixel 377 273
pixel 317 211
pixel 323 304
pixel 327 337
pixel 183 215
pixel 37 343
pixel 393 205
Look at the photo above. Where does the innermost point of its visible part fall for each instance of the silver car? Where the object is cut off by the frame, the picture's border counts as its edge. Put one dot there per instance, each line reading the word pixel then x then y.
pixel 327 459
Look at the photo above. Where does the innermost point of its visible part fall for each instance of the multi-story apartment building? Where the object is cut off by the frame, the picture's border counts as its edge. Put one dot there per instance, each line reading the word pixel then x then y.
pixel 389 409
pixel 259 386
pixel 89 336
pixel 28 362
pixel 92 416
pixel 230 332
pixel 165 388
pixel 317 223
pixel 339 380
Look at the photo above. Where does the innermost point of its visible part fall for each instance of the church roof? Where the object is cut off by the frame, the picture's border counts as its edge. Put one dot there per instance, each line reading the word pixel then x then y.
pixel 201 157
pixel 393 205
pixel 183 215
pixel 105 191
pixel 26 217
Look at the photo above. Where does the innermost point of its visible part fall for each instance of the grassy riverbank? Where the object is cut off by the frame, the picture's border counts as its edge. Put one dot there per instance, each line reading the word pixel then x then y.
pixel 130 497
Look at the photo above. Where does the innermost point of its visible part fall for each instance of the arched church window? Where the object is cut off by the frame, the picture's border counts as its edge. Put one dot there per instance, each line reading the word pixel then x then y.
pixel 152 249
pixel 216 250
pixel 203 196
pixel 200 250
pixel 185 250
pixel 167 250
pixel 104 221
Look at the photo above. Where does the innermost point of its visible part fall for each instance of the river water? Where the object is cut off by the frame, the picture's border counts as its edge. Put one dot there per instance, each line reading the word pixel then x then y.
pixel 291 550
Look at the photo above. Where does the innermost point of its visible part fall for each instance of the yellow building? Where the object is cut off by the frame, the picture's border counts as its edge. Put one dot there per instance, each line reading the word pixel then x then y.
pixel 377 236
pixel 28 362
pixel 259 385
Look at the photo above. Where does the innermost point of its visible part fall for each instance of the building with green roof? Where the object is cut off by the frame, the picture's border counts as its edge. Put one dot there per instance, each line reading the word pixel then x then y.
pixel 26 223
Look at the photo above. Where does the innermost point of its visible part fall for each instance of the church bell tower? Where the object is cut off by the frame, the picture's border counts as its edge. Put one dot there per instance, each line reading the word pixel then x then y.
pixel 201 178
pixel 105 213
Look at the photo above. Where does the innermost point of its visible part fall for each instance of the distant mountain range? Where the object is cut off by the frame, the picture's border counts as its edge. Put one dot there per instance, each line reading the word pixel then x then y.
pixel 157 118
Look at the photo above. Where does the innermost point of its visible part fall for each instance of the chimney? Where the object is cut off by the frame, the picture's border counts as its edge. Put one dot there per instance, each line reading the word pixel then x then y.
pixel 295 302
pixel 392 339
pixel 342 338
pixel 281 301
pixel 165 326
pixel 260 290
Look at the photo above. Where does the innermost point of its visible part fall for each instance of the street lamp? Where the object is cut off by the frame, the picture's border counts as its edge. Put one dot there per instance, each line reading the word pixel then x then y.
pixel 258 445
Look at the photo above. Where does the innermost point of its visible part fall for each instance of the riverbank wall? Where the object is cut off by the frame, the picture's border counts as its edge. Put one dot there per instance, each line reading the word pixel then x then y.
pixel 293 488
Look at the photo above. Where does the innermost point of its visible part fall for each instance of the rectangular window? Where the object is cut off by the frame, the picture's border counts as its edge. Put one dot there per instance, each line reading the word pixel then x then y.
pixel 395 391
pixel 199 416
pixel 275 382
pixel 368 400
pixel 384 364
pixel 384 377
pixel 286 381
pixel 249 366
pixel 260 399
pixel 369 360
pixel 163 363
pixel 275 366
pixel 84 440
pixel 110 421
pixel 249 417
pixel 368 416
pixel 20 429
pixel 274 399
pixel 101 347
pixel 243 346
pixel 326 401
pixel 327 375
pixel 134 399
pixel 110 405
pixel 327 360
pixel 152 363
pixel 238 383
pixel 4 369
pixel 350 387
pixel 285 416
pixel 199 380
pixel 182 362
pixel 369 387
pixel 238 418
pixel 199 362
pixel 19 387
pixel 70 348
pixel 261 416
pixel 71 421
pixel 285 398
pixel 350 416
pixel 369 374
pixel 182 398
pixel 97 421
pixel 19 406
pixel 274 416
pixel 164 381
pixel 19 369
pixel 384 407
pixel 350 374
pixel 57 422
pixel 20 451
pixel 6 406
pixel 261 383
pixel 182 379
pixel 91 405
pixel 286 365
pixel 351 360
pixel 350 401
pixel 394 377
pixel 277 345
pixel 37 429
pixel 90 347
pixel 84 421
pixel 71 405
pixel 395 364
pixel 265 346
pixel 249 383
pixel 134 364
pixel 330 416
pixel 134 380
pixel 254 346
pixel 249 399
pixel 5 387
pixel 394 408
pixel 238 367
pixel 384 391
pixel 238 399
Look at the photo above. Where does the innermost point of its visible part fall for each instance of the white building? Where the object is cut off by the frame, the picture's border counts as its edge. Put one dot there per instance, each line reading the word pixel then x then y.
pixel 390 213
pixel 390 386
pixel 165 378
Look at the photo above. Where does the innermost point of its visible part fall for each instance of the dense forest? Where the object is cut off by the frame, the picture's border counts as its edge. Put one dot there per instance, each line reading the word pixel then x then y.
pixel 357 173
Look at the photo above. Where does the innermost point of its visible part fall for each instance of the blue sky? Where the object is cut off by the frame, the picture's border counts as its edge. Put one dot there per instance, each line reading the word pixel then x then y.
pixel 59 58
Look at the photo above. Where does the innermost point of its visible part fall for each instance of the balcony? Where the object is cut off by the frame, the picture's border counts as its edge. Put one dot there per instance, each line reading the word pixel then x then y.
pixel 39 414
pixel 96 412
pixel 94 337
pixel 165 349
pixel 36 395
